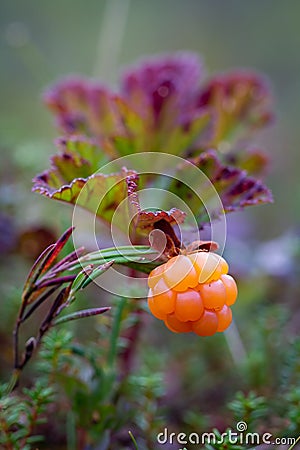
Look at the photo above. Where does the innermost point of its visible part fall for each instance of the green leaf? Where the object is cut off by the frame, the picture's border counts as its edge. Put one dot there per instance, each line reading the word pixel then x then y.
pixel 96 273
pixel 81 278
pixel 77 157
pixel 115 332
pixel 126 251
pixel 99 193
pixel 81 314
pixel 129 256
pixel 120 125
pixel 35 439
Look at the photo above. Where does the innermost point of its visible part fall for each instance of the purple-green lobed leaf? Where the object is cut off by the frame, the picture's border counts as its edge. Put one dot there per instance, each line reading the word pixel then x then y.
pixel 234 186
pixel 239 102
pixel 164 104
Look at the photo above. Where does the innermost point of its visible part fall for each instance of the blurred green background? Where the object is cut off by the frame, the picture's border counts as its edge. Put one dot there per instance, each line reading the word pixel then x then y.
pixel 41 42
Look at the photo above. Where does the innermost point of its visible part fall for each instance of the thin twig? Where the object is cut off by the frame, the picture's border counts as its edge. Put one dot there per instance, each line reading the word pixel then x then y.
pixel 21 318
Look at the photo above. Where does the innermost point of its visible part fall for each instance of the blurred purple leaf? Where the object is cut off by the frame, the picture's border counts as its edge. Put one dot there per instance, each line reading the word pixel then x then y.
pixel 240 103
pixel 163 105
pixel 162 86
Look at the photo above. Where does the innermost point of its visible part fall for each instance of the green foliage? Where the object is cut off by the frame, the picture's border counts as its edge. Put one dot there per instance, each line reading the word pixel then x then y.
pixel 293 410
pixel 47 276
pixel 21 414
pixel 98 400
pixel 91 385
pixel 249 408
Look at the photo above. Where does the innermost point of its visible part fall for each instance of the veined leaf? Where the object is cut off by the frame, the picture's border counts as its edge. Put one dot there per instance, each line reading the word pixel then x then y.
pixel 99 193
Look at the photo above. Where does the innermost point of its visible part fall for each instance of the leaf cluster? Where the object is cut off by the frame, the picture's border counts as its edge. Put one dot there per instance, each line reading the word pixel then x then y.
pixel 163 106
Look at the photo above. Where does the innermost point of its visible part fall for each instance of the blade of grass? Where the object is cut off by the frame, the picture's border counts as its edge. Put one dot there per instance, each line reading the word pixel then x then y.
pixel 71 431
pixel 293 445
pixel 133 440
pixel 140 250
pixel 116 328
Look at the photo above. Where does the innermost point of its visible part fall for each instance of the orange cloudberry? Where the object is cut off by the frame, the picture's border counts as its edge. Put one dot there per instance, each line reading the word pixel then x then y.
pixel 193 293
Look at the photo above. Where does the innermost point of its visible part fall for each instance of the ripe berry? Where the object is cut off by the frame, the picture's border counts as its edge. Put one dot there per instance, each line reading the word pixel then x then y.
pixel 231 289
pixel 193 293
pixel 188 305
pixel 224 318
pixel 213 294
pixel 180 273
pixel 176 325
pixel 207 325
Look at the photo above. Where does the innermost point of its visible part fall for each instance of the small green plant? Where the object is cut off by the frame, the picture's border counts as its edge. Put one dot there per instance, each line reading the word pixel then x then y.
pixel 249 408
pixel 21 414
